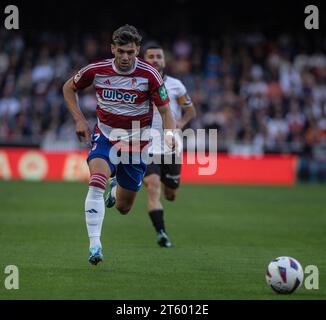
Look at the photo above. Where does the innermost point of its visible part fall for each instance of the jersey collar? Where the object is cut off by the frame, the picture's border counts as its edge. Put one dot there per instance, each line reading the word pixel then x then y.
pixel 126 72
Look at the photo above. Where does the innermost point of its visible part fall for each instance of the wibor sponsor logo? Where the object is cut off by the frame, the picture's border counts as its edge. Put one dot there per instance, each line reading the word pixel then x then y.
pixel 116 95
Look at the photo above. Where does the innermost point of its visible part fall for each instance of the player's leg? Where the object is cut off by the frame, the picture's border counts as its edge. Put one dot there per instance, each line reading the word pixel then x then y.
pixel 169 193
pixel 100 170
pixel 124 199
pixel 171 180
pixel 125 186
pixel 94 206
pixel 171 173
pixel 152 182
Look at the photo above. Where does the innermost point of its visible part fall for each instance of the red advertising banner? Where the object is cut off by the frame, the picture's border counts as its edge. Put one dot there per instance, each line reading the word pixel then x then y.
pixel 267 169
pixel 33 164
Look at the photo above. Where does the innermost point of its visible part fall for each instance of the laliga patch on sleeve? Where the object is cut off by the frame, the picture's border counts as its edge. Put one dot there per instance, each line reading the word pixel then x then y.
pixel 162 92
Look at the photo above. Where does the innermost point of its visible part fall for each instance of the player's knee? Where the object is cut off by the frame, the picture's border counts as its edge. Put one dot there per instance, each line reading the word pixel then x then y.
pixel 153 188
pixel 154 191
pixel 123 209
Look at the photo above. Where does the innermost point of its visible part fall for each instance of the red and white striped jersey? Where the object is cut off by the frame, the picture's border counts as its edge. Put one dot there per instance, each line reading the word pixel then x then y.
pixel 125 100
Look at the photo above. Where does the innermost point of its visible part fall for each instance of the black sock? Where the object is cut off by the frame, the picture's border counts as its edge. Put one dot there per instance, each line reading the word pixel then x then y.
pixel 157 219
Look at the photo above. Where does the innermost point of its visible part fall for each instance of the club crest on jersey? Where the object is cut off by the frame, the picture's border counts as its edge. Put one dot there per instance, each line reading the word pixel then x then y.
pixel 116 95
pixel 133 83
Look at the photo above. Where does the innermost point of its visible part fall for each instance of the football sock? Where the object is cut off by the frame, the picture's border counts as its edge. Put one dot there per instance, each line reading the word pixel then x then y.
pixel 95 208
pixel 157 219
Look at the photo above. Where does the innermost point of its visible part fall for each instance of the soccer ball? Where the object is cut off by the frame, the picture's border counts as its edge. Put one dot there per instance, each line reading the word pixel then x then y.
pixel 284 275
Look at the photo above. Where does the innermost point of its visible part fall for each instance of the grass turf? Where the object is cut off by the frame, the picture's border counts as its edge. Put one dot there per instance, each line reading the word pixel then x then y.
pixel 223 236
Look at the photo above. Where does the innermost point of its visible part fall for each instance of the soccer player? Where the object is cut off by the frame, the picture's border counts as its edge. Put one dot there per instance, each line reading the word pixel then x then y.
pixel 126 90
pixel 169 174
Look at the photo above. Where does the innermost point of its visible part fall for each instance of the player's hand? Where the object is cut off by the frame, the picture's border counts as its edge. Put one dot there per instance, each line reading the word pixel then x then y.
pixel 170 139
pixel 83 132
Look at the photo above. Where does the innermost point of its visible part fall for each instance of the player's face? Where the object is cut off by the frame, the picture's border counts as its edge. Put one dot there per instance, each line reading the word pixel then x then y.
pixel 156 58
pixel 125 55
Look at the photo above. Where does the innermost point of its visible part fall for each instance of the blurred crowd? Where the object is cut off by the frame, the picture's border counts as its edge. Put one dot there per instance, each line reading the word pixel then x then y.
pixel 260 94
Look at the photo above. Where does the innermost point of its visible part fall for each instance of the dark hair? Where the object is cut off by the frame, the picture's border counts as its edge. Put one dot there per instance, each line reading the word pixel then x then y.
pixel 150 45
pixel 126 34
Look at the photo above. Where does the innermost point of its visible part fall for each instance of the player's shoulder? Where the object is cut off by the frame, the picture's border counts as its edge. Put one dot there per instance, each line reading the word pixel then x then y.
pixel 148 69
pixel 142 63
pixel 172 81
pixel 95 65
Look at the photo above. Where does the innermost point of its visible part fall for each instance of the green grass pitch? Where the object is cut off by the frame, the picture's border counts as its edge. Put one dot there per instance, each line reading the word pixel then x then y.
pixel 223 236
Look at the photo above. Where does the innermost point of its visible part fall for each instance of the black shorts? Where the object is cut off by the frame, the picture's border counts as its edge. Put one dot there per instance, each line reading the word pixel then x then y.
pixel 169 173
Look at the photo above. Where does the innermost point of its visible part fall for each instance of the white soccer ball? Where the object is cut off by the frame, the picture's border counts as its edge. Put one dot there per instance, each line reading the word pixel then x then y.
pixel 284 275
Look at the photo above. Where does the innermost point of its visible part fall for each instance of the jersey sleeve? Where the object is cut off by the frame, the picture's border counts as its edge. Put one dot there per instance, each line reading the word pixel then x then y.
pixel 158 92
pixel 183 97
pixel 84 77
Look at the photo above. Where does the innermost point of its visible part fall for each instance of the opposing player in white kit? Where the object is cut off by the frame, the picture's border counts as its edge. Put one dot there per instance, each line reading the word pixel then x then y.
pixel 183 111
pixel 126 90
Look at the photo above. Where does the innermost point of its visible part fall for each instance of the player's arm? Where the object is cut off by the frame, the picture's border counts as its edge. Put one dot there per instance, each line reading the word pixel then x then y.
pixel 161 99
pixel 189 113
pixel 168 124
pixel 71 99
pixel 167 117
